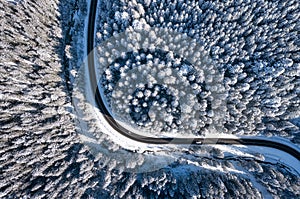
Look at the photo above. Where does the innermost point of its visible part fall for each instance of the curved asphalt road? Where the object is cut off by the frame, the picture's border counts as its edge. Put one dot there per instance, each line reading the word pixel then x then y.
pixel 152 140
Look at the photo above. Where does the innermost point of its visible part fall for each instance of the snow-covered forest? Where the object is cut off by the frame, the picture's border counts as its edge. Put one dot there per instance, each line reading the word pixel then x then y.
pixel 255 45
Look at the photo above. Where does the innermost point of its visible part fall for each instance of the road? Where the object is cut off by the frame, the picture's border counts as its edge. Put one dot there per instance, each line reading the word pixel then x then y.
pixel 294 151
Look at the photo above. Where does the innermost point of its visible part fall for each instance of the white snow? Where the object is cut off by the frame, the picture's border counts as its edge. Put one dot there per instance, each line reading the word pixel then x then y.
pixel 277 156
pixel 272 155
pixel 221 169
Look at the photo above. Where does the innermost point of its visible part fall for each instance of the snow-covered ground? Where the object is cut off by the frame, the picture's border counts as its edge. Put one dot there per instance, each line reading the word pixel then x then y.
pixel 91 113
pixel 134 33
pixel 43 155
pixel 97 130
pixel 252 105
